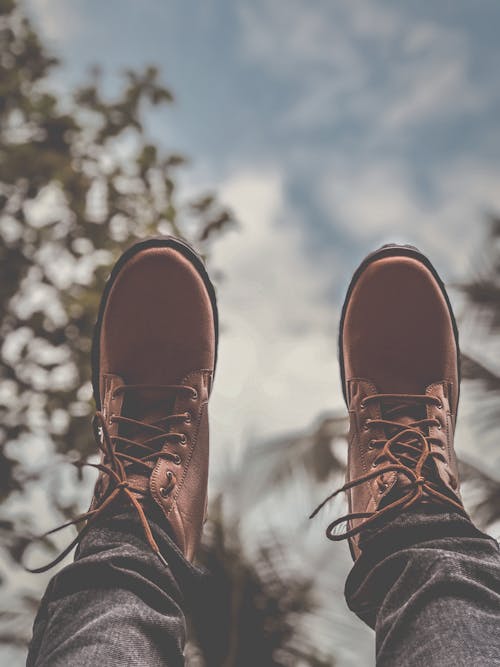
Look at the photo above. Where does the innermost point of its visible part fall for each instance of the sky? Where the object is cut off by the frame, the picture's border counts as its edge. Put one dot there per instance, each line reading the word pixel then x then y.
pixel 329 127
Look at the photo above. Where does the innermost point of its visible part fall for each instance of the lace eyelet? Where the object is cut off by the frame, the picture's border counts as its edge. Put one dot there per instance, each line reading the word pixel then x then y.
pixel 177 459
pixel 366 425
pixel 187 418
pixel 165 490
pixel 370 445
pixel 439 426
pixel 374 464
pixel 362 405
pixel 183 439
pixel 439 405
pixel 194 395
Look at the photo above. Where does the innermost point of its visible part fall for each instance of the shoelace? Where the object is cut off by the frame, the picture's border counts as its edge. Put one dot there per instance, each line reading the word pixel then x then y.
pixel 116 462
pixel 411 457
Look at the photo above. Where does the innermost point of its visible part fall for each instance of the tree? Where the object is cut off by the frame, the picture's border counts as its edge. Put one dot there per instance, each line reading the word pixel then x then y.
pixel 291 474
pixel 481 369
pixel 254 604
pixel 80 180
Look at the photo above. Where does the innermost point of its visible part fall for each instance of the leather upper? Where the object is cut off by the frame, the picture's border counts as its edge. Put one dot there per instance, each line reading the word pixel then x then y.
pixel 156 360
pixel 398 340
pixel 398 331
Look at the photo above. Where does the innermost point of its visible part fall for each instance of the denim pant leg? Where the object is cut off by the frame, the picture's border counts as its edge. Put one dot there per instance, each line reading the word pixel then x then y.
pixel 116 604
pixel 429 584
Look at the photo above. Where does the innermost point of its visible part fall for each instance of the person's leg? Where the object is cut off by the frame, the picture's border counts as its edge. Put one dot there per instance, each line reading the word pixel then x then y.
pixel 117 604
pixel 122 601
pixel 424 577
pixel 428 582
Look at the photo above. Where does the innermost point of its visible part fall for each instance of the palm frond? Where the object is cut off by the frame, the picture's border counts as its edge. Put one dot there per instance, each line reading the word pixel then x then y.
pixel 269 467
pixel 472 369
pixel 484 503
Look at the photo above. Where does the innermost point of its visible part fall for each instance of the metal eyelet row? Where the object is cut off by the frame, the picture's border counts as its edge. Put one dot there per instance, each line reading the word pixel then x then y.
pixel 177 460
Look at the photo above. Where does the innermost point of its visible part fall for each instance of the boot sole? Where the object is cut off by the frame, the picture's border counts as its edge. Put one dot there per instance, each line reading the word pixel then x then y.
pixel 393 250
pixel 153 242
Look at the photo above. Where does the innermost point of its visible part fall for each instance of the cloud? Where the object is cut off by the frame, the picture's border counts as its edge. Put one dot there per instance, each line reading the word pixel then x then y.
pixel 361 60
pixel 391 95
pixel 380 200
pixel 376 199
pixel 60 21
pixel 430 87
pixel 278 365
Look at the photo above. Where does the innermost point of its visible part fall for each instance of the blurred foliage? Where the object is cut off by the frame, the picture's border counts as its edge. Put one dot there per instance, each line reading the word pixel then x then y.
pixel 253 606
pixel 482 292
pixel 79 182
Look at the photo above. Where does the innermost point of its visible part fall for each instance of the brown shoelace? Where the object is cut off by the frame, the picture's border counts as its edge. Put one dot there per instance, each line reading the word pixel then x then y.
pixel 121 455
pixel 408 450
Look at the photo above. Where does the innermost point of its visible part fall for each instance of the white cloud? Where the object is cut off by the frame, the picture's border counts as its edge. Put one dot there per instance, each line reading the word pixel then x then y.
pixel 59 20
pixel 379 200
pixel 321 34
pixel 278 365
pixel 360 59
pixel 376 199
pixel 429 89
pixel 373 66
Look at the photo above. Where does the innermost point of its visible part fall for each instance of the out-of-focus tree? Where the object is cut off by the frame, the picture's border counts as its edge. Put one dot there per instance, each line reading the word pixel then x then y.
pixel 79 182
pixel 295 472
pixel 482 293
pixel 254 605
pixel 265 507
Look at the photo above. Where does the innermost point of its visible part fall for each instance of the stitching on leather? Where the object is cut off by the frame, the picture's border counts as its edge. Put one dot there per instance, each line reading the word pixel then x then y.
pixel 194 442
pixel 161 465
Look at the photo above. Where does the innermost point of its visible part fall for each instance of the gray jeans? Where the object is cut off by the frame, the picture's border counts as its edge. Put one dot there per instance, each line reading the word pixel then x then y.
pixel 428 582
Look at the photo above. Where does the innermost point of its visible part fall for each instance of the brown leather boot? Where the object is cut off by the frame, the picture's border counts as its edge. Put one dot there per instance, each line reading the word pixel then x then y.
pixel 154 358
pixel 153 362
pixel 399 360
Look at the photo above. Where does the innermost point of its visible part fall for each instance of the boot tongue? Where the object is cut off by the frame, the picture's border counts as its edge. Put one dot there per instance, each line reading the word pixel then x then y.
pixel 404 414
pixel 146 406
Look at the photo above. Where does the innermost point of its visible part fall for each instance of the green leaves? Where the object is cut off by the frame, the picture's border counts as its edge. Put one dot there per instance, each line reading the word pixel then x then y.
pixel 80 180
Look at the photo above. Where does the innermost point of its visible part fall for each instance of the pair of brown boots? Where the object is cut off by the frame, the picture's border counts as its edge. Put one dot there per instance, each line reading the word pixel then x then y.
pixel 154 358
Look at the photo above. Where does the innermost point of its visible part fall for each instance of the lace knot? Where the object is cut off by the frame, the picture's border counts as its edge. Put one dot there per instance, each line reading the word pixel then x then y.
pixel 406 456
pixel 122 455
